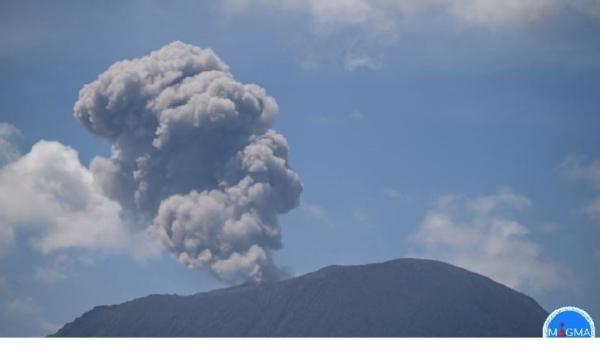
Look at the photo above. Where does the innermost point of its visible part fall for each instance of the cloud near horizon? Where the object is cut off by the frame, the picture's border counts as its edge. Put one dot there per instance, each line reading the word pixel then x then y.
pixel 587 171
pixel 485 235
pixel 19 314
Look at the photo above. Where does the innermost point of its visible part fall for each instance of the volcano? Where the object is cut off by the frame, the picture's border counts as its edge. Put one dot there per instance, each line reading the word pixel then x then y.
pixel 398 298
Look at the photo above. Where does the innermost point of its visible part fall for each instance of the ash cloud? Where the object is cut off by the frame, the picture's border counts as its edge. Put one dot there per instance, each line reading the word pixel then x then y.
pixel 193 154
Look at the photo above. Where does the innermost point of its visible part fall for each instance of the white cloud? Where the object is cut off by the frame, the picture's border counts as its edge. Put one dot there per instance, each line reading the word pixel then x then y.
pixel 355 31
pixel 356 115
pixel 361 215
pixel 58 269
pixel 503 199
pixel 484 235
pixel 19 314
pixel 355 62
pixel 8 136
pixel 548 227
pixel 50 199
pixel 50 195
pixel 384 16
pixel 578 168
pixel 493 12
pixel 353 116
pixel 394 194
pixel 315 212
pixel 592 209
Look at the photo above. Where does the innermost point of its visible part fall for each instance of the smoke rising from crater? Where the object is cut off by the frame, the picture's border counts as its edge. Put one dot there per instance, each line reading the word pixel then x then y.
pixel 193 153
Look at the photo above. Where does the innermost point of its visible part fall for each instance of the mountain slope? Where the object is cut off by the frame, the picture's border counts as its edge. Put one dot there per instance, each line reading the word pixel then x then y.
pixel 403 297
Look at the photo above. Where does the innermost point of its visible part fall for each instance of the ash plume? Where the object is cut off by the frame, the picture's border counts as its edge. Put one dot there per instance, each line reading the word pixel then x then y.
pixel 194 155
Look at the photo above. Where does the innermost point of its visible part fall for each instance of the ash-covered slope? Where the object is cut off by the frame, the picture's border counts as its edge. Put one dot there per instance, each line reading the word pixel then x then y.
pixel 403 297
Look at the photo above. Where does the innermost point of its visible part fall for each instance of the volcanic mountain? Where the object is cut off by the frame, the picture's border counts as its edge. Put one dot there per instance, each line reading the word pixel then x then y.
pixel 398 298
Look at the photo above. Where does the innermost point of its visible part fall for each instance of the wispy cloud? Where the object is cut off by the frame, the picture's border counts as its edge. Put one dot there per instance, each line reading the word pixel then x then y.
pixel 581 168
pixel 485 235
pixel 383 16
pixel 395 194
pixel 355 62
pixel 9 136
pixel 548 227
pixel 588 171
pixel 58 269
pixel 361 215
pixel 316 212
pixel 20 315
pixel 358 31
pixel 350 117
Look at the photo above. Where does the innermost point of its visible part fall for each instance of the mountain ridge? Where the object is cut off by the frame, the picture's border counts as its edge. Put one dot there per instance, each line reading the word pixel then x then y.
pixel 399 298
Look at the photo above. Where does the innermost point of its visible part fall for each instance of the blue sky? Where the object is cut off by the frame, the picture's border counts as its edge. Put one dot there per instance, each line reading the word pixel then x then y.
pixel 466 132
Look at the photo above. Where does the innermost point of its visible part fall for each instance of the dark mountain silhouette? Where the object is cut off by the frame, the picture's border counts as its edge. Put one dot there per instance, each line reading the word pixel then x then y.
pixel 403 297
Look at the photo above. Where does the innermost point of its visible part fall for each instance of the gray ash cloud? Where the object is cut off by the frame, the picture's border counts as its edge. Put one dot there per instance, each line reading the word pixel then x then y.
pixel 194 155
